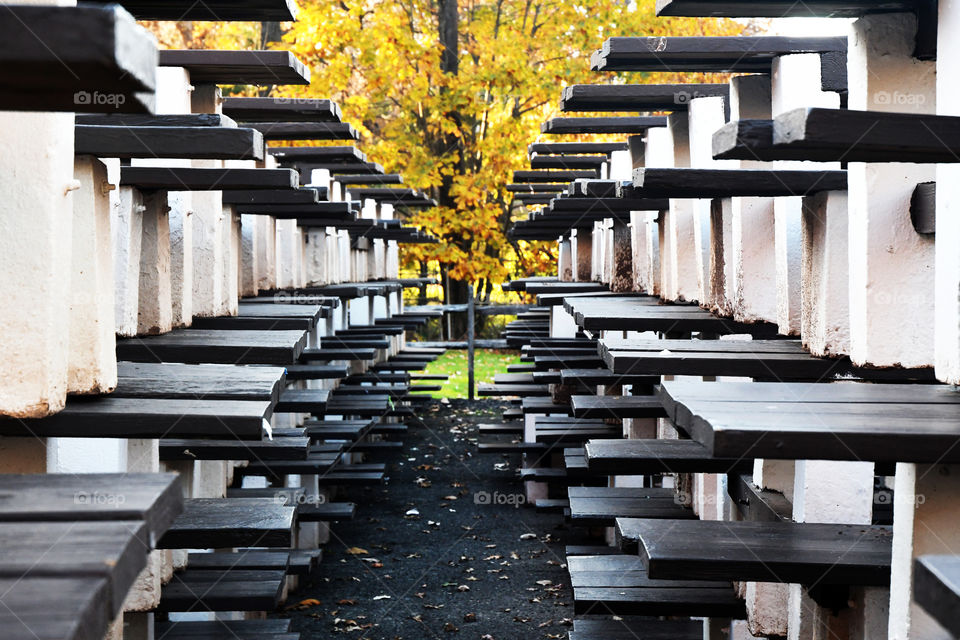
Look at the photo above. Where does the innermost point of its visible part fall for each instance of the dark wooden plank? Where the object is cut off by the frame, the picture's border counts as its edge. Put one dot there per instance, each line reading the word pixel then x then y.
pixel 600 506
pixel 645 456
pixel 722 54
pixel 882 423
pixel 203 591
pixel 216 66
pixel 230 522
pixel 551 176
pixel 339 154
pixel 250 560
pixel 200 346
pixel 92 58
pixel 786 552
pixel 658 601
pixel 316 213
pixel 936 588
pixel 644 314
pixel 316 371
pixel 563 148
pixel 634 628
pixel 589 204
pixel 623 570
pixel 115 550
pixel 865 136
pixel 303 195
pixel 220 629
pixel 280 109
pixel 316 463
pixel 387 178
pixel 780 8
pixel 82 609
pixel 306 130
pixel 168 142
pixel 617 407
pixel 723 183
pixel 326 512
pixel 212 10
pixel 282 495
pixel 303 401
pixel 198 381
pixel 637 97
pixel 207 179
pixel 195 449
pixel 594 377
pixel 106 416
pixel 151 120
pixel 625 125
pixel 755 504
pixel 567 162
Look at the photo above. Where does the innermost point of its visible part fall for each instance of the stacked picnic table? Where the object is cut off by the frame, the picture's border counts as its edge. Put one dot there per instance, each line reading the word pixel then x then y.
pixel 694 400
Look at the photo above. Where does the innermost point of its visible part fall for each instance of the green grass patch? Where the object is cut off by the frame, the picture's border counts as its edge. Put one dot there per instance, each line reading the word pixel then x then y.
pixel 487 363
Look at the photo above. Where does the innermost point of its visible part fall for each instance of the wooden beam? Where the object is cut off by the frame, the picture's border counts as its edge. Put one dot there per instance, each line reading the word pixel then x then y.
pixel 228 143
pixel 207 179
pixel 638 97
pixel 724 183
pixel 212 66
pixel 605 125
pixel 281 110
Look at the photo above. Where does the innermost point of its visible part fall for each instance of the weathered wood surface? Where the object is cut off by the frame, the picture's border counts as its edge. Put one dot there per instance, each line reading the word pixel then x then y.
pixel 114 417
pixel 552 175
pixel 155 120
pixel 215 66
pixel 755 504
pixel 881 423
pixel 58 58
pixel 229 143
pixel 567 162
pixel 81 612
pixel 207 179
pixel 645 456
pixel 780 8
pixel 316 371
pixel 637 97
pixel 594 377
pixel 617 407
pixel 230 522
pixel 306 130
pixel 634 627
pixel 605 148
pixel 936 588
pixel 229 629
pixel 303 195
pixel 198 381
pixel 251 450
pixel 200 346
pixel 625 124
pixel 154 498
pixel 201 590
pixel 787 552
pixel 303 401
pixel 724 183
pixel 600 506
pixel 212 10
pixel 281 110
pixel 345 153
pixel 643 313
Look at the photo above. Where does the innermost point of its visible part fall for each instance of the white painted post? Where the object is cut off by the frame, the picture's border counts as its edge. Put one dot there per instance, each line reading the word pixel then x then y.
pixel 891 266
pixel 564 259
pixel 93 359
pixel 155 307
pixel 126 222
pixel 825 296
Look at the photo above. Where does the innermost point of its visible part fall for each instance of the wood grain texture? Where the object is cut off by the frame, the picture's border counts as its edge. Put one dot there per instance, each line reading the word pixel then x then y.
pixel 230 522
pixel 212 66
pixel 198 381
pixel 637 97
pixel 228 143
pixel 723 183
pixel 200 346
pixel 251 450
pixel 651 456
pixel 281 110
pixel 780 8
pixel 306 130
pixel 207 179
pixel 634 627
pixel 625 124
pixel 601 506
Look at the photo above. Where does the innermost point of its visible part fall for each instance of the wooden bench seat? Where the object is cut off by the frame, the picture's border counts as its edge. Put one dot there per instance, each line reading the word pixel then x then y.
pixel 249 560
pixel 206 179
pixel 513 378
pixel 546 406
pixel 267 316
pixel 645 314
pixel 270 629
pixel 617 407
pixel 520 368
pixel 312 401
pixel 203 590
pixel 276 449
pixel 603 376
pixel 374 376
pixel 377 446
pixel 882 423
pixel 392 389
pixel 567 362
pixel 788 552
pixel 389 428
pixel 573 433
pixel 521 390
pixel 337 429
pixel 200 346
pixel 620 585
pixel 601 506
pixel 316 371
pixel 492 429
pixel 315 463
pixel 326 512
pixel 172 380
pixel 492 446
pixel 646 456
pixel 332 354
pixel 368 405
pixel 634 628
pixel 283 495
pixel 552 505
pixel 230 522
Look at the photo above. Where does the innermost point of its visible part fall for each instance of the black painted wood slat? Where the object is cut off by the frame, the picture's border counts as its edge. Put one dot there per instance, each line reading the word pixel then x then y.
pixel 306 131
pixel 229 143
pixel 617 407
pixel 600 506
pixel 212 10
pixel 724 183
pixel 780 8
pixel 605 148
pixel 634 627
pixel 281 109
pixel 303 401
pixel 201 590
pixel 229 629
pixel 923 208
pixel 637 97
pixel 881 423
pixel 645 456
pixel 81 611
pixel 207 179
pixel 155 120
pixel 216 66
pixel 90 58
pixel 644 314
pixel 275 449
pixel 302 195
pixel 198 381
pixel 786 552
pixel 936 588
pixel 230 522
pixel 199 346
pixel 606 125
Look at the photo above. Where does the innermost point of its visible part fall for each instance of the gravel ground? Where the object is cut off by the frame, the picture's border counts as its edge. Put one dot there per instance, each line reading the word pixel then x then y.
pixel 442 550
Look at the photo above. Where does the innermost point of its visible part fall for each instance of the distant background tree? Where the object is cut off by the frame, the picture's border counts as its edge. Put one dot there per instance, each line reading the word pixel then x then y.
pixel 450 93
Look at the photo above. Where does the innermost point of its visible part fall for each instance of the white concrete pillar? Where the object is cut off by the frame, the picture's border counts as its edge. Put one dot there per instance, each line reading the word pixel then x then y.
pixel 753 292
pixel 565 260
pixel 646 251
pixel 126 221
pixel 249 259
pixel 392 260
pixel 92 356
pixel 581 247
pixel 825 296
pixel 947 271
pixel 795 82
pixel 181 257
pixel 289 247
pixel 266 251
pixel 680 262
pixel 209 261
pixel 155 307
pixel 562 324
pixel 891 266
